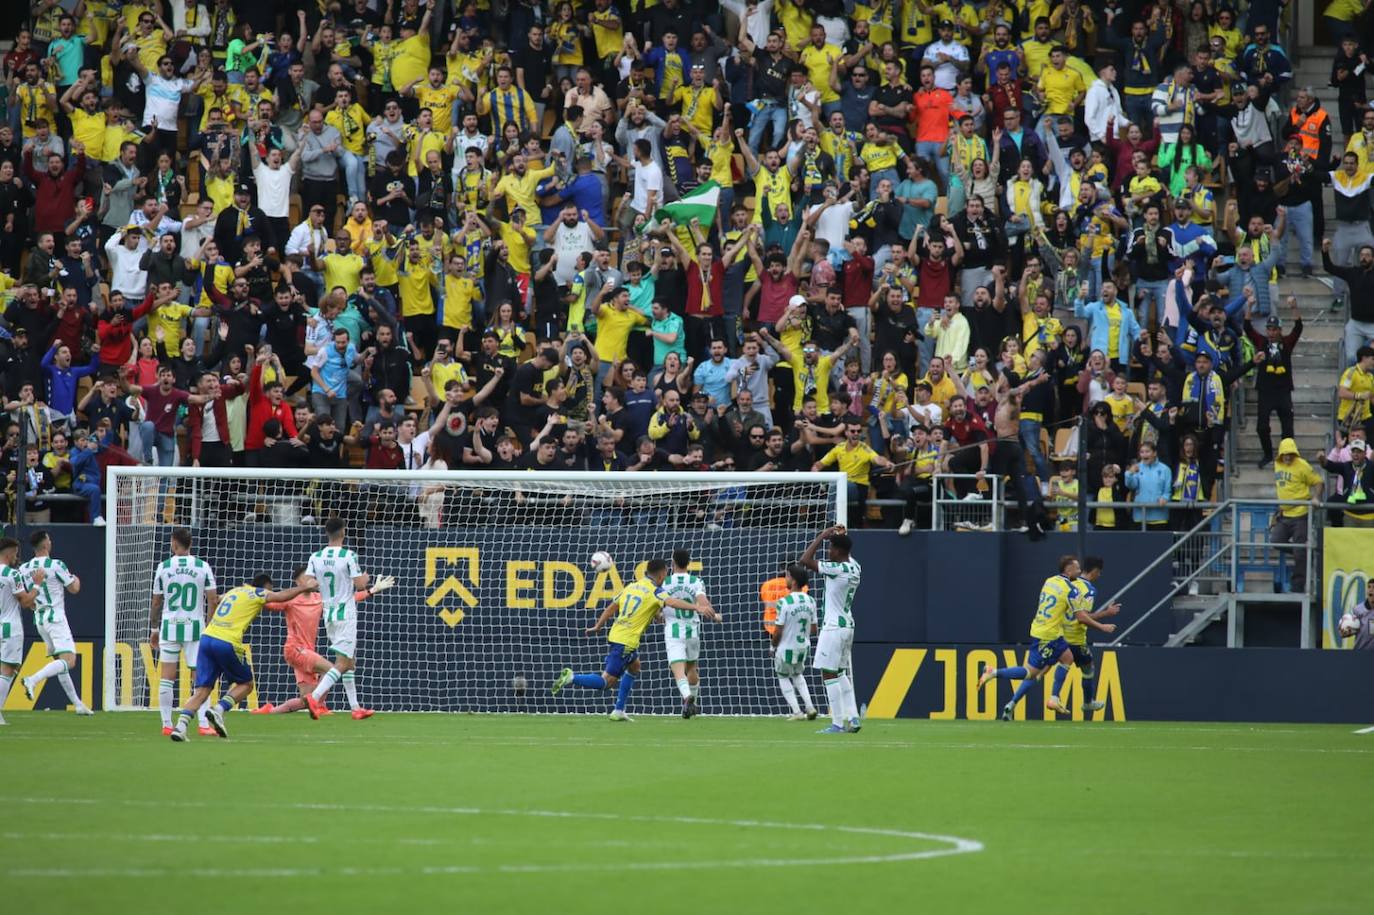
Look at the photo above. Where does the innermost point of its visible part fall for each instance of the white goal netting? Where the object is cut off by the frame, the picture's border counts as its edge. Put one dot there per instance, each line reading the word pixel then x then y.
pixel 493 586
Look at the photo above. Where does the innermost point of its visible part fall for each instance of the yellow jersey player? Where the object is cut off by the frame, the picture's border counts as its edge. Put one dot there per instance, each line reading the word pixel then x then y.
pixel 222 652
pixel 1081 616
pixel 640 604
pixel 1047 637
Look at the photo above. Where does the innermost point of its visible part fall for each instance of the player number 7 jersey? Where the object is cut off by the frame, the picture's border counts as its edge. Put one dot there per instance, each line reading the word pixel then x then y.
pixel 841 583
pixel 51 605
pixel 335 567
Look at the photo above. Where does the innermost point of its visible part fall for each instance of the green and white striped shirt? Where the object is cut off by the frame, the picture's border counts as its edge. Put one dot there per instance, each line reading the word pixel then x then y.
pixel 682 624
pixel 51 605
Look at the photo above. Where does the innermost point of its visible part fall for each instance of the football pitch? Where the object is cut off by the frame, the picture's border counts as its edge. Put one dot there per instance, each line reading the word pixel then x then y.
pixel 578 814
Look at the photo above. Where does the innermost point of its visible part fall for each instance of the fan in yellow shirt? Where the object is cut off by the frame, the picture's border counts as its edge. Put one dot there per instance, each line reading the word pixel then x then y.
pixel 855 459
pixel 350 120
pixel 517 185
pixel 436 95
pixel 459 294
pixel 819 59
pixel 415 277
pixel 88 121
pixel 1060 86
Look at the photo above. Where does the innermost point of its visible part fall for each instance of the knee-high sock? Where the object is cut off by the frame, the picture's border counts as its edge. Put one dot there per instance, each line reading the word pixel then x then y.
pixel 627 682
pixel 326 684
pixel 799 681
pixel 695 689
pixel 166 701
pixel 684 687
pixel 68 687
pixel 51 669
pixel 589 681
pixel 1061 673
pixel 834 693
pixel 851 705
pixel 790 694
pixel 1021 690
pixel 351 688
pixel 1010 673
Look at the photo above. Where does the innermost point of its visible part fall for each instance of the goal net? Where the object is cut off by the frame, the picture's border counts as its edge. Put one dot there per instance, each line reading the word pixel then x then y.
pixel 493 588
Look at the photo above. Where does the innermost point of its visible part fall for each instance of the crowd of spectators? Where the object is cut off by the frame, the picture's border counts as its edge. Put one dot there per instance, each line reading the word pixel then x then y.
pixel 403 235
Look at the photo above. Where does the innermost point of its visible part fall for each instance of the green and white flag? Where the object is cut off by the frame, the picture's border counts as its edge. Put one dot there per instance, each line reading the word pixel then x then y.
pixel 701 202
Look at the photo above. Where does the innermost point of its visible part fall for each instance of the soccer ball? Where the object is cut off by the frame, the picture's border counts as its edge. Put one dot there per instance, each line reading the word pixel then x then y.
pixel 518 685
pixel 1348 624
pixel 601 561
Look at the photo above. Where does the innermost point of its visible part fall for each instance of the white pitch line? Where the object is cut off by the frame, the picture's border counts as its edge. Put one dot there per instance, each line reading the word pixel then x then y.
pixel 1369 730
pixel 953 845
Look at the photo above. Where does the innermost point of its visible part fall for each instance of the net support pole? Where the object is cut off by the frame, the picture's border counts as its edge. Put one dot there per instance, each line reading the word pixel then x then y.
pixel 112 522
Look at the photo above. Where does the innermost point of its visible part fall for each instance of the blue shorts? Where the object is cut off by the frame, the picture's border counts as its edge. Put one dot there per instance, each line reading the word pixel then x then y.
pixel 220 659
pixel 1043 653
pixel 1083 658
pixel 619 657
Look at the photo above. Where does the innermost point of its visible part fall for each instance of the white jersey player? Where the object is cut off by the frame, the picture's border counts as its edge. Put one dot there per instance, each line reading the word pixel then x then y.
pixel 335 570
pixel 50 619
pixel 17 593
pixel 682 629
pixel 836 642
pixel 795 624
pixel 184 594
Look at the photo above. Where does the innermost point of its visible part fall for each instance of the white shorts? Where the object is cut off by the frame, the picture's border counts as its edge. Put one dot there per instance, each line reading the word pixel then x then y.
pixel 171 652
pixel 57 637
pixel 682 649
pixel 789 662
pixel 833 648
pixel 12 643
pixel 343 636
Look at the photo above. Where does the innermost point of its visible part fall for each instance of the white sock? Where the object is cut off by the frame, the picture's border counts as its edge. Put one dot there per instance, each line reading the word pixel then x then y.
pixel 6 681
pixel 69 688
pixel 51 669
pixel 684 687
pixel 789 694
pixel 804 691
pixel 351 688
pixel 851 708
pixel 326 684
pixel 834 693
pixel 166 701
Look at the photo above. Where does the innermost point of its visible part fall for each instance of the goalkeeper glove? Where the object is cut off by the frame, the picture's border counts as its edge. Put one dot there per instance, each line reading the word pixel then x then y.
pixel 382 583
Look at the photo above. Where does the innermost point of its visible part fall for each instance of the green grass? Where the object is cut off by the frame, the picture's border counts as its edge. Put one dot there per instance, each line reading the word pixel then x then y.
pixel 577 814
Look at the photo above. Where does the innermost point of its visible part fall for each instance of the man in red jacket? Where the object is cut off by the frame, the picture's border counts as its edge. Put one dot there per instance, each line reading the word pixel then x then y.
pixel 266 402
pixel 54 190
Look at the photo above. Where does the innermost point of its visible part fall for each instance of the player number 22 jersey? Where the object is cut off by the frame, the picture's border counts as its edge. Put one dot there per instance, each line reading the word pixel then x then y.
pixel 1056 605
pixel 335 567
pixel 51 605
pixel 682 624
pixel 796 615
pixel 841 583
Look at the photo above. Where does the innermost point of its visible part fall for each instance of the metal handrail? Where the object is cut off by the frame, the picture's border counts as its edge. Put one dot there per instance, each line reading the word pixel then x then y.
pixel 996 501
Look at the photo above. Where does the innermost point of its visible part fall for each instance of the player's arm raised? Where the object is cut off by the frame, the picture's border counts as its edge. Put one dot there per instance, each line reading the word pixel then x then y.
pixel 383 583
pixel 604 618
pixel 808 558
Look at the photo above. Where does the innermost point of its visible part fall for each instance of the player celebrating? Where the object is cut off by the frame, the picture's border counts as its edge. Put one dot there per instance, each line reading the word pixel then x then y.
pixel 638 605
pixel 50 618
pixel 335 571
pixel 681 636
pixel 17 589
pixel 183 590
pixel 222 654
pixel 1047 637
pixel 791 637
pixel 1076 631
pixel 302 628
pixel 835 644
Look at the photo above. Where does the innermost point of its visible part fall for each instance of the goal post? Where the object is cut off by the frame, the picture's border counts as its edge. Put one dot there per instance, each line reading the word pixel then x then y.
pixel 493 586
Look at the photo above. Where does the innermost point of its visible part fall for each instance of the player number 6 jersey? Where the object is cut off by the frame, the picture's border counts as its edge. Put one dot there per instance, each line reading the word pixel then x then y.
pixel 335 567
pixel 183 582
pixel 841 582
pixel 682 624
pixel 51 605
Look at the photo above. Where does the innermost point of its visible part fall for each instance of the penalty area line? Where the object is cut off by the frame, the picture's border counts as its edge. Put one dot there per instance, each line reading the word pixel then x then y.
pixel 1368 730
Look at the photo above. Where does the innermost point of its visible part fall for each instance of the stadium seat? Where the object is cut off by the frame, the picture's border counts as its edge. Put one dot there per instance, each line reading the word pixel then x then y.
pixel 1063 441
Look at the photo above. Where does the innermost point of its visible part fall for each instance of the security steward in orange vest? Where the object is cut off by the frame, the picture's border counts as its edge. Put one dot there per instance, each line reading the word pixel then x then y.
pixel 1309 121
pixel 1274 376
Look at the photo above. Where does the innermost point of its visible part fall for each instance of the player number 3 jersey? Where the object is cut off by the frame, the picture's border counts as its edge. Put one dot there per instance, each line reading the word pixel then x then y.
pixel 51 605
pixel 841 583
pixel 183 583
pixel 335 567
pixel 682 624
pixel 796 615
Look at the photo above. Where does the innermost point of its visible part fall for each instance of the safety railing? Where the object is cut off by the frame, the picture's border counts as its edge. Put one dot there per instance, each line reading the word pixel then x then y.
pixel 959 504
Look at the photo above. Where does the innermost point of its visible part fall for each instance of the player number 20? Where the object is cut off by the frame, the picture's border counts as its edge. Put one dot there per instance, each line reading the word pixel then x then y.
pixel 183 596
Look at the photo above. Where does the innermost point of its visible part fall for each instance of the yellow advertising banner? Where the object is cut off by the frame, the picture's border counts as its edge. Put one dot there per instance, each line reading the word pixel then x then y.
pixel 1347 564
